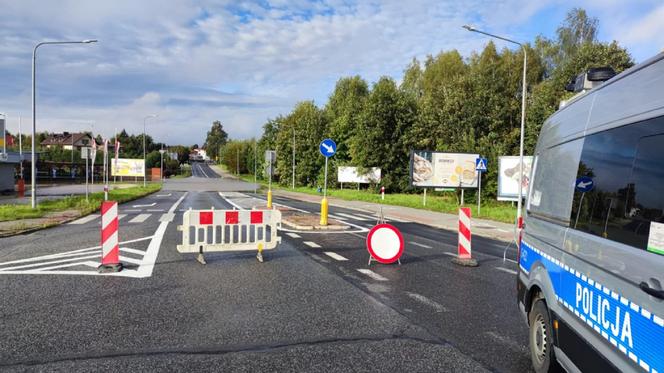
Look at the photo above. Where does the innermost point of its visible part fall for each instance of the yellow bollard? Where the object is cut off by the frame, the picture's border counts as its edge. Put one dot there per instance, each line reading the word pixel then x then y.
pixel 323 211
pixel 269 199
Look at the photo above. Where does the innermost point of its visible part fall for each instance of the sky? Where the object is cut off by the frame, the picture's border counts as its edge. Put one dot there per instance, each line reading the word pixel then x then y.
pixel 193 62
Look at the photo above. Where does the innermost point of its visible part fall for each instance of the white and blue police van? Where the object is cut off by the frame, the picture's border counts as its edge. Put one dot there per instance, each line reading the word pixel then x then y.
pixel 591 254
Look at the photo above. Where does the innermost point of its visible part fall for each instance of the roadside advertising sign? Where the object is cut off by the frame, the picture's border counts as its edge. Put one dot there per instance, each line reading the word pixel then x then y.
pixel 430 169
pixel 508 177
pixel 128 167
pixel 347 174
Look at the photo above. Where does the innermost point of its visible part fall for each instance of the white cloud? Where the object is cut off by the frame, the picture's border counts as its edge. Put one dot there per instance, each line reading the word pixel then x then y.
pixel 194 62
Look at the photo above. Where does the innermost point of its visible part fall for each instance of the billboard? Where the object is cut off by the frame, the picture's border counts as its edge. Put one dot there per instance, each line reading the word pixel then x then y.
pixel 351 175
pixel 430 169
pixel 508 177
pixel 128 167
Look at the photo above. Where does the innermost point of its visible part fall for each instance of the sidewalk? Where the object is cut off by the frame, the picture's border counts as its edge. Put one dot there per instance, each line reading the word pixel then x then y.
pixel 485 228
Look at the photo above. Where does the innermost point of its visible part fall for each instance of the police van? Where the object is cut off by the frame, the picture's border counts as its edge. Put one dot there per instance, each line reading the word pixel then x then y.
pixel 591 254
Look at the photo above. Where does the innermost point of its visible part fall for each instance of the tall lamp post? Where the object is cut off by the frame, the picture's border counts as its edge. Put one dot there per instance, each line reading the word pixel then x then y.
pixel 145 169
pixel 33 166
pixel 519 221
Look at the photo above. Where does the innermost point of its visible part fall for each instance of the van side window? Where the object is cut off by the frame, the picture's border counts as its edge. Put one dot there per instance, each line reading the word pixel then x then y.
pixel 618 190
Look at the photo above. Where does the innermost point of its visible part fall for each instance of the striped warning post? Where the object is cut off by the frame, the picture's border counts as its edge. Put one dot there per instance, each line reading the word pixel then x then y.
pixel 464 258
pixel 110 249
pixel 464 232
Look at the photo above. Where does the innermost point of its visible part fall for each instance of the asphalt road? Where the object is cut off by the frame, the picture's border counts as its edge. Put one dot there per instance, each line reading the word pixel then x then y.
pixel 307 308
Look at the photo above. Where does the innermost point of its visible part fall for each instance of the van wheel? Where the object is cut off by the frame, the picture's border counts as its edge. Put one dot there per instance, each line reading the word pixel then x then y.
pixel 541 339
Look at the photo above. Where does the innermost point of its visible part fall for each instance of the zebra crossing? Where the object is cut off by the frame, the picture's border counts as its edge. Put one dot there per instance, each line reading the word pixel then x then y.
pixel 133 219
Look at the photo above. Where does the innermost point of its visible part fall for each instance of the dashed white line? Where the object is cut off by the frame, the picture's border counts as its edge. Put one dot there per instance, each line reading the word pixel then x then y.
pixel 506 270
pixel 372 274
pixel 293 235
pixel 230 202
pixel 140 218
pixel 424 300
pixel 155 210
pixel 311 244
pixel 354 217
pixel 148 205
pixel 420 245
pixel 335 256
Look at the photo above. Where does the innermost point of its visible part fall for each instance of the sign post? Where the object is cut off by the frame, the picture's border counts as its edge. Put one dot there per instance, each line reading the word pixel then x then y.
pixel 480 167
pixel 85 153
pixel 327 148
pixel 270 157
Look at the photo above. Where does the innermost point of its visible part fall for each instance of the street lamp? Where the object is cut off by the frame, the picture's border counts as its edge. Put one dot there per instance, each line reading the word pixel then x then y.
pixel 4 134
pixel 523 114
pixel 145 169
pixel 33 183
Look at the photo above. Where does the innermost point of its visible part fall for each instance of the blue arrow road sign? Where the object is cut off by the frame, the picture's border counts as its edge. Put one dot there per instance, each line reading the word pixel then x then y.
pixel 328 147
pixel 480 164
pixel 584 184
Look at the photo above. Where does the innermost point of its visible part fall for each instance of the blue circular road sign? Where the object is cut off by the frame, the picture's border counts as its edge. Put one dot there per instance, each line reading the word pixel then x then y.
pixel 584 184
pixel 328 147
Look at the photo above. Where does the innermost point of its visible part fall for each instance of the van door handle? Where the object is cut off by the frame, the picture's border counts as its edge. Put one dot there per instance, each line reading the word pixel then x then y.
pixel 654 292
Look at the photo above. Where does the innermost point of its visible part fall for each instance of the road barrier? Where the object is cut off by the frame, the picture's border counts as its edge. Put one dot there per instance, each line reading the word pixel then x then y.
pixel 110 247
pixel 229 230
pixel 464 254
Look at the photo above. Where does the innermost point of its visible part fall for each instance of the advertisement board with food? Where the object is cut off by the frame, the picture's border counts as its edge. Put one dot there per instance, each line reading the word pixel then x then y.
pixel 430 169
pixel 128 167
pixel 508 177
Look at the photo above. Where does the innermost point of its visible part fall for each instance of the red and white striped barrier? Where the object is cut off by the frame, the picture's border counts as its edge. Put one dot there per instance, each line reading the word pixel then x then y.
pixel 464 233
pixel 464 258
pixel 110 248
pixel 229 230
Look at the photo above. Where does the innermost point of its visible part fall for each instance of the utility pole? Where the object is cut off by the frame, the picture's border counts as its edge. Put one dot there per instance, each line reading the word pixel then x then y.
pixel 293 187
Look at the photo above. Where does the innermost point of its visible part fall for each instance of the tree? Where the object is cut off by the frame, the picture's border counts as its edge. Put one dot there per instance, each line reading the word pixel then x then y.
pixel 342 112
pixel 216 138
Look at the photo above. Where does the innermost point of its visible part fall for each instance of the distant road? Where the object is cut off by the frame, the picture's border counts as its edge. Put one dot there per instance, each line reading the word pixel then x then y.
pixel 203 170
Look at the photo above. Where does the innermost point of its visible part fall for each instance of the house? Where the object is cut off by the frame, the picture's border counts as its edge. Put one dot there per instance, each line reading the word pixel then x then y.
pixel 68 140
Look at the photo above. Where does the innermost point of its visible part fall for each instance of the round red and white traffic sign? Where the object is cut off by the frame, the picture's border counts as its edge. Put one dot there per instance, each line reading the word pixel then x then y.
pixel 385 243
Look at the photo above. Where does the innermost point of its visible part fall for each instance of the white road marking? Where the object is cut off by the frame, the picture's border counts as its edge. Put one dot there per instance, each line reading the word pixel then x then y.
pixel 311 244
pixel 84 220
pixel 420 245
pixel 352 216
pixel 164 195
pixel 133 251
pixel 132 210
pixel 337 217
pixel 168 217
pixel 126 259
pixel 155 210
pixel 450 254
pixel 120 216
pixel 140 218
pixel 91 256
pixel 230 202
pixel 149 205
pixel 200 168
pixel 510 271
pixel 372 274
pixel 293 235
pixel 335 256
pixel 424 300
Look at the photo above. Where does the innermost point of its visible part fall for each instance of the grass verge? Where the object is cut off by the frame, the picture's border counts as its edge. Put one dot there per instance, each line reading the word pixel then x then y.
pixel 436 201
pixel 18 212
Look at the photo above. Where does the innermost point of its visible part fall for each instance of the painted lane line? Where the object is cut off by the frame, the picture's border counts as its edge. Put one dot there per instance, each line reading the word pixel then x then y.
pixel 97 255
pixel 371 274
pixel 230 202
pixel 352 216
pixel 84 220
pixel 424 300
pixel 120 216
pixel 149 205
pixel 312 244
pixel 420 245
pixel 150 258
pixel 132 210
pixel 337 217
pixel 450 254
pixel 168 217
pixel 164 195
pixel 126 259
pixel 77 253
pixel 133 251
pixel 335 256
pixel 140 218
pixel 510 271
pixel 87 263
pixel 155 210
pixel 293 235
